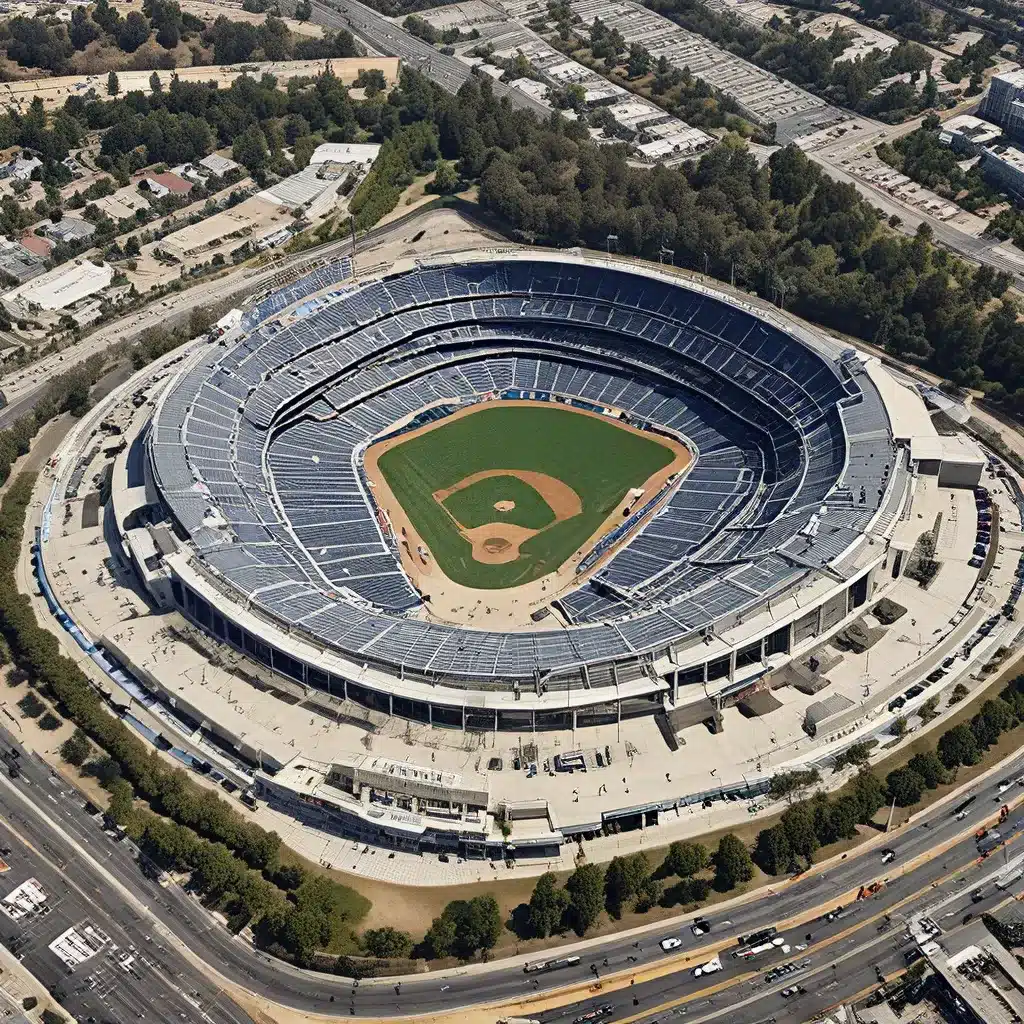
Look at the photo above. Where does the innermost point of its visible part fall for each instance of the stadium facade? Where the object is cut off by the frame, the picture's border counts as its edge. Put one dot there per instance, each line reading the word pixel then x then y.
pixel 775 537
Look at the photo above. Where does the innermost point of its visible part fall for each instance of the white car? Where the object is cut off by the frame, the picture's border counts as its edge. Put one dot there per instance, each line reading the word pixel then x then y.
pixel 709 968
pixel 671 943
pixel 1004 785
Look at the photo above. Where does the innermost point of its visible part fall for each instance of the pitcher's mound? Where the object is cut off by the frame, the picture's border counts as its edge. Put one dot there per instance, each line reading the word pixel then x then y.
pixel 496 545
pixel 504 506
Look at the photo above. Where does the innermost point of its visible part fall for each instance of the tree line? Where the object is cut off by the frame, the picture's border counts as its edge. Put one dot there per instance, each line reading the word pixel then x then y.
pixel 784 230
pixel 232 862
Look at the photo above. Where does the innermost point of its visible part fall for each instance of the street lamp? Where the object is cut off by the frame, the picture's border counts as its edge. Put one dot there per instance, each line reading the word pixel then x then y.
pixel 705 264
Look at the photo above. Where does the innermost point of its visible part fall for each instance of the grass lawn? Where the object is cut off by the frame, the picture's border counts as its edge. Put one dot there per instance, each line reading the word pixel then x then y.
pixel 599 460
pixel 474 505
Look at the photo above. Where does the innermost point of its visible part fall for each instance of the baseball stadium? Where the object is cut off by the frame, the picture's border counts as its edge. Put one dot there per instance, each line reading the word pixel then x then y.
pixel 490 551
pixel 510 490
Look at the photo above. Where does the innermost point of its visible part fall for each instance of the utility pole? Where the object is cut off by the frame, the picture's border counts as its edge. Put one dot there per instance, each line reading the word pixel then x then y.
pixel 892 811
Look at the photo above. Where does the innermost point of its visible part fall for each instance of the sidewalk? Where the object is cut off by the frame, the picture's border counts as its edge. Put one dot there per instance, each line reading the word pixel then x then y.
pixel 17 985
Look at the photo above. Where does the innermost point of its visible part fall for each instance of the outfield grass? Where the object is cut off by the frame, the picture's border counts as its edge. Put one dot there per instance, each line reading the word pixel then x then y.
pixel 599 460
pixel 474 505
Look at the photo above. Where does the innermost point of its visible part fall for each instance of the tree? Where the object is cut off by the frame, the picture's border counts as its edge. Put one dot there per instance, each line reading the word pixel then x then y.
pixel 131 246
pixel 31 706
pixel 155 84
pixel 867 791
pixel 464 927
pixel 798 823
pixel 930 768
pixel 905 786
pixel 639 63
pixel 372 81
pixel 168 35
pixel 959 692
pixel 121 801
pixel 113 87
pixel 387 943
pixel 250 149
pixel 49 722
pixel 76 748
pixel 82 30
pixel 685 859
pixel 446 180
pixel 994 718
pixel 303 10
pixel 793 176
pixel 899 726
pixel 772 852
pixel 958 746
pixel 134 32
pixel 733 865
pixel 586 896
pixel 442 937
pixel 624 878
pixel 547 906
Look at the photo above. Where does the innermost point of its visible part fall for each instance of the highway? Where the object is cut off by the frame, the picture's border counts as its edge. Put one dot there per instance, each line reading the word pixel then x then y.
pixel 160 985
pixel 61 832
pixel 391 39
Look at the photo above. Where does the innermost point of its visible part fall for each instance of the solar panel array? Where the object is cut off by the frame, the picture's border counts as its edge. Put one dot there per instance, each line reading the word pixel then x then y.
pixel 258 448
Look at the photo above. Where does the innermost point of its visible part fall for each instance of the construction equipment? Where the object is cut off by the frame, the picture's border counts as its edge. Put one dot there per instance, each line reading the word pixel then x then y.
pixel 867 891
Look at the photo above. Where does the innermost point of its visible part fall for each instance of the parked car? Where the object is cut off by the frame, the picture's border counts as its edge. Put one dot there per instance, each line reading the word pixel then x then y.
pixel 672 942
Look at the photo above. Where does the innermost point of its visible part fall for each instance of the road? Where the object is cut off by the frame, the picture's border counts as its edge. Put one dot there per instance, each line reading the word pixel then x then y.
pixel 860 142
pixel 161 985
pixel 391 39
pixel 62 832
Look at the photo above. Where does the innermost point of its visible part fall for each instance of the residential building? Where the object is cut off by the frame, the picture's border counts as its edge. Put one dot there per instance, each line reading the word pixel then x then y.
pixel 167 183
pixel 18 263
pixel 69 229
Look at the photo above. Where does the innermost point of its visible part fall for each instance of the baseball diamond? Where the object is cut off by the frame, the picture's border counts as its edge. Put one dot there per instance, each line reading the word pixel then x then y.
pixel 449 477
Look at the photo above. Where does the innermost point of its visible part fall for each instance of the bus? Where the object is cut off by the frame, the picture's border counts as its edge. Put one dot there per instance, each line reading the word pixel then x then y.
pixel 756 938
pixel 542 966
pixel 960 811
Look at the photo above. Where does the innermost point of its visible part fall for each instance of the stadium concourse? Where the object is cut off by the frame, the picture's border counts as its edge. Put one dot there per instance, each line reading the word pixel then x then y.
pixel 756 610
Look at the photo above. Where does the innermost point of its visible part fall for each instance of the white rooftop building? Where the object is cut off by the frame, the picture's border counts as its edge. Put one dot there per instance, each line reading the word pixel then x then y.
pixel 968 134
pixel 345 153
pixel 60 288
